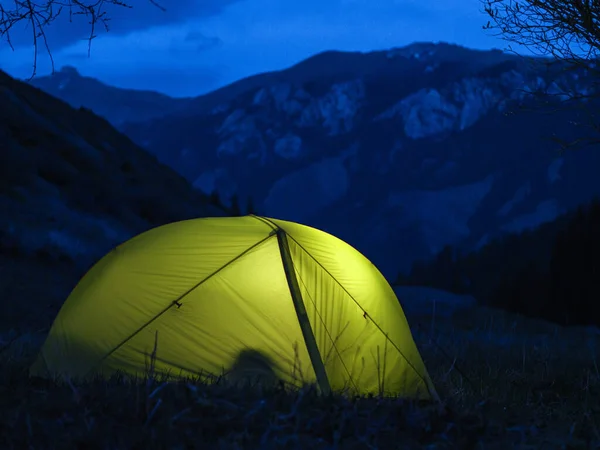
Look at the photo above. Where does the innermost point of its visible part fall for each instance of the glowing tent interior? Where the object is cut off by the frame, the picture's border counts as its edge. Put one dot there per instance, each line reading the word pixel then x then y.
pixel 202 292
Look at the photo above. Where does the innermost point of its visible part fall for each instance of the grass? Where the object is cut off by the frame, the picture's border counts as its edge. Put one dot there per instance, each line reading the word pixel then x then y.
pixel 506 382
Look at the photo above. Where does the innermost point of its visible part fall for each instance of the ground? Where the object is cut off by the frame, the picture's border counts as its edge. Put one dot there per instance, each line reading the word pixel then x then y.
pixel 505 382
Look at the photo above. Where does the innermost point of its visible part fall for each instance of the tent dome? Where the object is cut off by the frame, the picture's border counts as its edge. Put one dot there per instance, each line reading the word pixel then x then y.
pixel 201 294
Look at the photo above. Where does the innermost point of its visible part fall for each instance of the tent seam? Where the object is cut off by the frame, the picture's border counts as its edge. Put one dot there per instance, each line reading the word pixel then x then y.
pixel 330 338
pixel 266 221
pixel 176 302
pixel 364 311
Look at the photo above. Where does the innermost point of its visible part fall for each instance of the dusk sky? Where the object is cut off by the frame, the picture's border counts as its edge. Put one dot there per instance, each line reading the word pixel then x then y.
pixel 198 45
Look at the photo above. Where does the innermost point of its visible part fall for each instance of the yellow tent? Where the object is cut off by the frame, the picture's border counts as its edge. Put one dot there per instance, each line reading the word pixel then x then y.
pixel 196 295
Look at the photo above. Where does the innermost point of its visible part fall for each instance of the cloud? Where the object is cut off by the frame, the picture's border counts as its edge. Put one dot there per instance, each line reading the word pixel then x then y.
pixel 142 14
pixel 202 41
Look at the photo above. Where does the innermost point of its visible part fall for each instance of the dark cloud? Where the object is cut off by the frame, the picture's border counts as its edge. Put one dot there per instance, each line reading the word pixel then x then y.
pixel 68 29
pixel 202 41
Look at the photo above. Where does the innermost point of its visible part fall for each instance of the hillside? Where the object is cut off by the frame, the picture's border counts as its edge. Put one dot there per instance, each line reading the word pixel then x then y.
pixel 71 188
pixel 549 272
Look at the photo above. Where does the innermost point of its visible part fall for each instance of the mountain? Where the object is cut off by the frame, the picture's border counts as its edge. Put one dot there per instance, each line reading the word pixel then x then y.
pixel 119 105
pixel 398 152
pixel 71 188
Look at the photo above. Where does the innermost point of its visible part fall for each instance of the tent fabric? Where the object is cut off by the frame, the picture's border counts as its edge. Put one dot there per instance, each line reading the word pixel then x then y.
pixel 200 293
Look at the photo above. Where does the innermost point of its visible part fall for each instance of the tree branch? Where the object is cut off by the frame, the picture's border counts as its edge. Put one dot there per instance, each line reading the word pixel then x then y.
pixel 39 15
pixel 566 30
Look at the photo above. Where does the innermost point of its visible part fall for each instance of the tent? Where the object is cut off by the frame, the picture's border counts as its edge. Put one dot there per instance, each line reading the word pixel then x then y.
pixel 198 295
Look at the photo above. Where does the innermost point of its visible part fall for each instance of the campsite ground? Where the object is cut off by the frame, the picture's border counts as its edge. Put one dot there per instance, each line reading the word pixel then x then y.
pixel 506 381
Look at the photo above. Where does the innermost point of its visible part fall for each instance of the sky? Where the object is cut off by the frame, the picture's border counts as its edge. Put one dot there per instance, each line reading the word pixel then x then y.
pixel 190 47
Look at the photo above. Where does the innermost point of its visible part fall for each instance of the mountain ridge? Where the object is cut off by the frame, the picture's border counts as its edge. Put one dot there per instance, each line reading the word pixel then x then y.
pixel 398 152
pixel 119 104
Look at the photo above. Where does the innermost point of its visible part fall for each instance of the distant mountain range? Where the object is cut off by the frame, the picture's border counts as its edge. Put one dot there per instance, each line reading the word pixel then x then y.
pixel 398 152
pixel 116 104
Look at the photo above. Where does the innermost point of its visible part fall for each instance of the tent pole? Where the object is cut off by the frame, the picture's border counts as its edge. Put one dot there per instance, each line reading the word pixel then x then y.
pixel 307 333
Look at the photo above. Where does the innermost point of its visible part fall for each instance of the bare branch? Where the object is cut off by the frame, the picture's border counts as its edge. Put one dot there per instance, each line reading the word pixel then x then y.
pixel 39 15
pixel 566 30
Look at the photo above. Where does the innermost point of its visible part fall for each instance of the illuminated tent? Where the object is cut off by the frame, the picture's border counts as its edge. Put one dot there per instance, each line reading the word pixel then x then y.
pixel 197 294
